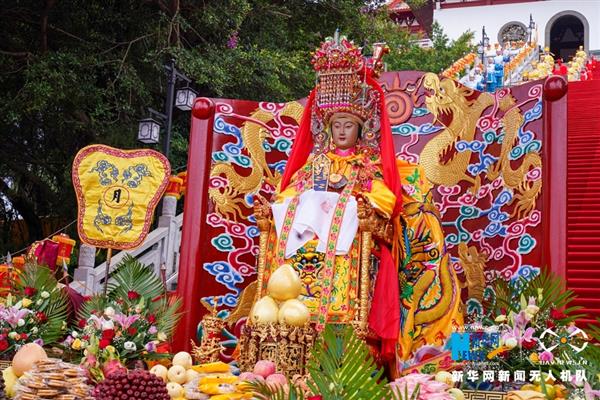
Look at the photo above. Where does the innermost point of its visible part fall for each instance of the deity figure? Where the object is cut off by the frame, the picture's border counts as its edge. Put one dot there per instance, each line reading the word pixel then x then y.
pixel 358 226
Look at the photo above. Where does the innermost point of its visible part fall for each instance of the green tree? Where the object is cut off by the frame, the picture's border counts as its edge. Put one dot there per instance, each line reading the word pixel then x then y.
pixel 84 71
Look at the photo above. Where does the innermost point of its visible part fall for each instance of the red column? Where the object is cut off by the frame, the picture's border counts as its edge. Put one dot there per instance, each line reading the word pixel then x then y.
pixel 554 175
pixel 195 208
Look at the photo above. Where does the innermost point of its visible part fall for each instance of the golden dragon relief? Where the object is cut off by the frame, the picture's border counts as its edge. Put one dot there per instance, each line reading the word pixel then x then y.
pixel 443 165
pixel 229 200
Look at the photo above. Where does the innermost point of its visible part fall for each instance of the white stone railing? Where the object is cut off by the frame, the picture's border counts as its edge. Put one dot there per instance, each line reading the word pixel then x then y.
pixel 160 251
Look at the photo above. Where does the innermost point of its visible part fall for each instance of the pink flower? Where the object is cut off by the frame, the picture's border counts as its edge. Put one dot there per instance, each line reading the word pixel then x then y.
pixel 150 347
pixel 546 356
pixel 12 315
pixel 152 330
pixel 429 389
pixel 126 320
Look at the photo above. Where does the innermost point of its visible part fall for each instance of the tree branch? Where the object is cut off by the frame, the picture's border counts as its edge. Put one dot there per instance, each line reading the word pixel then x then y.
pixel 44 25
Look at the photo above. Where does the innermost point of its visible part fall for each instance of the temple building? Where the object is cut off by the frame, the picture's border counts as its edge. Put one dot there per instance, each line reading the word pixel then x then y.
pixel 561 25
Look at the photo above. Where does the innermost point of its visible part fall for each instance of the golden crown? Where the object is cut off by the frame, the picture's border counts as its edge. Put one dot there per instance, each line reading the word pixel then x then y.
pixel 342 88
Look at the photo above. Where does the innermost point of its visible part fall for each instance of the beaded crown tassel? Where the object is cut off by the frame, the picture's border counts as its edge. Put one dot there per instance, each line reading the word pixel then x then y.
pixel 342 88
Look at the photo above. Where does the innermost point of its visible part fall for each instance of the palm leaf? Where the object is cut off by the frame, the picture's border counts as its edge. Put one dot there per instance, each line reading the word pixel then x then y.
pixel 96 303
pixel 132 275
pixel 55 307
pixel 341 367
pixel 168 310
pixel 262 391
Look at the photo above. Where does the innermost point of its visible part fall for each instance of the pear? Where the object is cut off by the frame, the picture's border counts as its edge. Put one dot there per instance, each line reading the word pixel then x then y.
pixel 264 311
pixel 293 312
pixel 284 284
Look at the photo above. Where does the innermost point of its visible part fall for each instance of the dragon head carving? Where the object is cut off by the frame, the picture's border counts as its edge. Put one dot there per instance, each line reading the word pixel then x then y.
pixel 445 96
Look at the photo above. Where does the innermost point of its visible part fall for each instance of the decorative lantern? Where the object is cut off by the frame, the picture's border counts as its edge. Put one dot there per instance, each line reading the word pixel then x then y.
pixel 45 252
pixel 183 175
pixel 174 187
pixel 4 279
pixel 148 131
pixel 65 248
pixel 184 99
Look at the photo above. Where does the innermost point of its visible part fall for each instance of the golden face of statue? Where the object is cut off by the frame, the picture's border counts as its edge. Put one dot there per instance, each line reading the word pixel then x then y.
pixel 344 131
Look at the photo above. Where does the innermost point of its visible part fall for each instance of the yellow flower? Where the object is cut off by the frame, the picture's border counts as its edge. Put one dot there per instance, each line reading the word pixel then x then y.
pixel 161 336
pixel 26 302
pixel 110 349
pixel 76 344
pixel 534 358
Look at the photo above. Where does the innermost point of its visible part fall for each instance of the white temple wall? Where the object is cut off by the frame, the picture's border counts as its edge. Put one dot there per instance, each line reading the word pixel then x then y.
pixel 457 20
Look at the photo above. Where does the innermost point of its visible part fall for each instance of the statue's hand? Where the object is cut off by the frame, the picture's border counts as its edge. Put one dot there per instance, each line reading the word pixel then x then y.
pixel 366 215
pixel 262 212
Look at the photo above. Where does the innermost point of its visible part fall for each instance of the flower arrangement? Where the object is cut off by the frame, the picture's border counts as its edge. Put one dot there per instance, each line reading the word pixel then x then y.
pixel 133 322
pixel 536 330
pixel 35 311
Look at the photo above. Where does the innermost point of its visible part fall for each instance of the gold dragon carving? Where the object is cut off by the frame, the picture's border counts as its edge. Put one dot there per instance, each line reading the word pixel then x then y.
pixel 446 97
pixel 449 98
pixel 526 191
pixel 228 200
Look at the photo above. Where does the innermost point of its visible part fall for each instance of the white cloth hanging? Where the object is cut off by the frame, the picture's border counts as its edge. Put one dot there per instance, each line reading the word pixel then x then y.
pixel 313 218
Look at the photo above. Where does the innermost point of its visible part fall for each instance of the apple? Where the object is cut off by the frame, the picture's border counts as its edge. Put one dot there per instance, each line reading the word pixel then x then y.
pixel 275 380
pixel 190 375
pixel 264 368
pixel 184 359
pixel 177 374
pixel 160 371
pixel 174 389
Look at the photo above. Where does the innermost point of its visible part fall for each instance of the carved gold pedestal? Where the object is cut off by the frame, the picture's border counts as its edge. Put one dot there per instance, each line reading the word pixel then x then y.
pixel 287 346
pixel 210 344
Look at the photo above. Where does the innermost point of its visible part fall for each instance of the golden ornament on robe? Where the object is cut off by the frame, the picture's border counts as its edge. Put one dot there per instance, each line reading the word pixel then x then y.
pixel 264 311
pixel 284 284
pixel 293 312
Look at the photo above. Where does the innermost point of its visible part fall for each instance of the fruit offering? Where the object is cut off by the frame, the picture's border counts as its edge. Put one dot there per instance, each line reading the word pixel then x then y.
pixel 284 286
pixel 53 379
pixel 132 385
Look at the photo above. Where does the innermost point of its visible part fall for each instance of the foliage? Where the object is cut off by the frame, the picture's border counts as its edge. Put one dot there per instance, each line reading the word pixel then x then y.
pixel 131 322
pixel 82 72
pixel 509 296
pixel 340 367
pixel 537 329
pixel 35 312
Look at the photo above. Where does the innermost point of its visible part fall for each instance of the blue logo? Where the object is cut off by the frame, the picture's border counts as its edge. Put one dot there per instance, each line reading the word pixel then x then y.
pixel 472 346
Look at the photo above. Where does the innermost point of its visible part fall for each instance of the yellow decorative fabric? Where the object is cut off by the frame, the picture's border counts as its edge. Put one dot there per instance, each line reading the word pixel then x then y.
pixel 379 195
pixel 430 294
pixel 117 191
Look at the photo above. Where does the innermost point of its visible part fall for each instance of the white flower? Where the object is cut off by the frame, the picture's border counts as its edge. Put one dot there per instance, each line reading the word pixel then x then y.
pixel 511 343
pixel 161 336
pixel 21 322
pixel 39 302
pixel 106 325
pixel 34 330
pixel 74 334
pixel 45 294
pixel 12 335
pixel 500 318
pixel 130 346
pixel 109 311
pixel 138 310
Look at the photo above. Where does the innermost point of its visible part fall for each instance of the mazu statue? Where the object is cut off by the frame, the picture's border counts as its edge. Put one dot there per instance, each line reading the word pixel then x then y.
pixel 357 225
